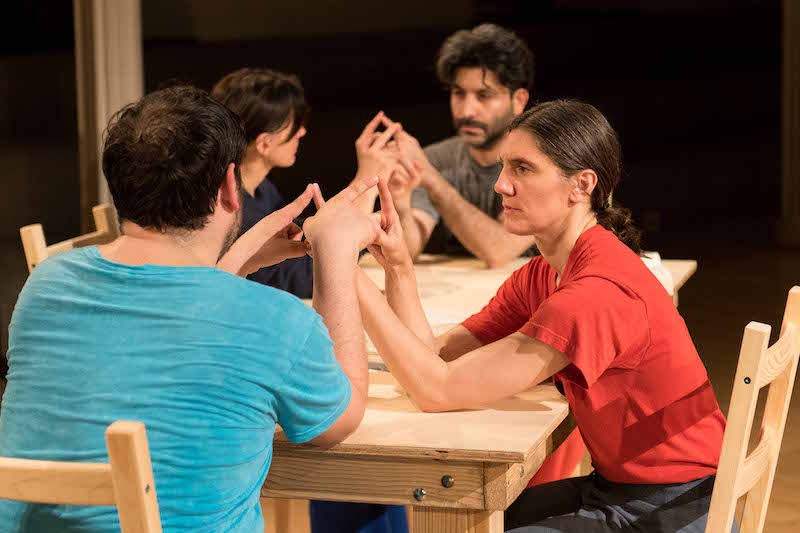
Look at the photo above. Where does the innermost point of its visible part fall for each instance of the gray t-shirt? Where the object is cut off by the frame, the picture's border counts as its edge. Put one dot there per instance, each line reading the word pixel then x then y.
pixel 472 181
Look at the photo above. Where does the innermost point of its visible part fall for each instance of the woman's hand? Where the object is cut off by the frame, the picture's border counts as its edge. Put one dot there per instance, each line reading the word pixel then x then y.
pixel 377 154
pixel 273 239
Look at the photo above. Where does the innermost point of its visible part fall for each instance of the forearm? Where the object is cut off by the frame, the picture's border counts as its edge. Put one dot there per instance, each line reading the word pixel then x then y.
pixel 237 259
pixel 482 235
pixel 415 365
pixel 335 299
pixel 413 232
pixel 403 297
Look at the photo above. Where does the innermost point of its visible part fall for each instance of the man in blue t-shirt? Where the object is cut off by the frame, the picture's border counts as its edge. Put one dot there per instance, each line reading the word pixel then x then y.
pixel 161 326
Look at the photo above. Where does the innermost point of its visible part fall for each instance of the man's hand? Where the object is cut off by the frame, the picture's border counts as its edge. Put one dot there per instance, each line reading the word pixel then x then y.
pixel 273 239
pixel 402 184
pixel 412 153
pixel 339 223
pixel 389 248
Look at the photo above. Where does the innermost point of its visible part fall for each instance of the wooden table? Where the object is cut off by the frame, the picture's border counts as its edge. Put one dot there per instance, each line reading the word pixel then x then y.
pixel 459 470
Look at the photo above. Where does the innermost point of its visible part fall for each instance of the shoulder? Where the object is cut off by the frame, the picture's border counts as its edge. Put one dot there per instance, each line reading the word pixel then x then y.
pixel 259 302
pixel 76 264
pixel 602 256
pixel 445 153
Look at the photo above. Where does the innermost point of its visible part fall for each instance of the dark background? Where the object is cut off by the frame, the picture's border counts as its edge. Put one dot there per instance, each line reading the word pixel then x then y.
pixel 692 87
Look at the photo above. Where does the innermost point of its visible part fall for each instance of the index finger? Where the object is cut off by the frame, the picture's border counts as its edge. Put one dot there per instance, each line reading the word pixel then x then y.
pixel 293 210
pixel 319 200
pixel 357 188
pixel 370 128
pixel 387 204
pixel 387 134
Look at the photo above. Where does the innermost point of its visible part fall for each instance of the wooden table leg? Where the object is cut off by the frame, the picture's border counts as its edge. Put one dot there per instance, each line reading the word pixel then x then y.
pixel 438 520
pixel 285 516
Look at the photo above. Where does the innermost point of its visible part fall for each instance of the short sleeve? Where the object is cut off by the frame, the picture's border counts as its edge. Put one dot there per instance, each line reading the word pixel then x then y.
pixel 596 324
pixel 505 313
pixel 315 391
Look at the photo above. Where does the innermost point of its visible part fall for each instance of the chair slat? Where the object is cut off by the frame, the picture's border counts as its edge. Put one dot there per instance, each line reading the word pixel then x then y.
pixel 778 357
pixel 37 250
pixel 56 482
pixel 755 466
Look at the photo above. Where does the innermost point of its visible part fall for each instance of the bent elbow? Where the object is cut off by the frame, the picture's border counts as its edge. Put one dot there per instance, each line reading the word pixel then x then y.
pixel 433 404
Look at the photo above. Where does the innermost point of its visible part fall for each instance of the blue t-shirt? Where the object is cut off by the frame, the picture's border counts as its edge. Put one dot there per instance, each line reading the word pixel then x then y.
pixel 210 362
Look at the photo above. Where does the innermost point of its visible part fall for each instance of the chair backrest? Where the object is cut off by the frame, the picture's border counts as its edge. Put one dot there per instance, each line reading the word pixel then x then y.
pixel 126 481
pixel 738 473
pixel 37 250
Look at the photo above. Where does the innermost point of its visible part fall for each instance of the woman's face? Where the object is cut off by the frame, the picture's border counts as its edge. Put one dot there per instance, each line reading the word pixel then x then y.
pixel 283 151
pixel 535 192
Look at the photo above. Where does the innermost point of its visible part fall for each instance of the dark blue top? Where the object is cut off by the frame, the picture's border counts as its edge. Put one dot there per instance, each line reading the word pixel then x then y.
pixel 293 275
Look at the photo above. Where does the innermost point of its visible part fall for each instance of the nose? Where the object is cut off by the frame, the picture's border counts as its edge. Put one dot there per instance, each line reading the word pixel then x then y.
pixel 470 106
pixel 301 132
pixel 503 185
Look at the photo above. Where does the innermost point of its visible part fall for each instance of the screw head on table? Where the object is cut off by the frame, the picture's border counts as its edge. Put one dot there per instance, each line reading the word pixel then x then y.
pixel 448 481
pixel 419 494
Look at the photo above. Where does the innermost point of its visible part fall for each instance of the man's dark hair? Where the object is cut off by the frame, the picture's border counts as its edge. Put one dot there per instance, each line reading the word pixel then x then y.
pixel 264 99
pixel 488 47
pixel 577 136
pixel 165 157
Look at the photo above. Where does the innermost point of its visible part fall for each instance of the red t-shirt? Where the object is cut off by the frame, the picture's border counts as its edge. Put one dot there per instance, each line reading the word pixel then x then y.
pixel 636 386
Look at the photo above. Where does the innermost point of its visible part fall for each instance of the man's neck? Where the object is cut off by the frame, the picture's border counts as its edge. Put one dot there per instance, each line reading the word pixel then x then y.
pixel 140 246
pixel 557 245
pixel 485 157
pixel 254 170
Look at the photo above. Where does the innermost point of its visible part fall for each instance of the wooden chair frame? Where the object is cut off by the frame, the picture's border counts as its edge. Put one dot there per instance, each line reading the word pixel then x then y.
pixel 37 250
pixel 126 481
pixel 738 473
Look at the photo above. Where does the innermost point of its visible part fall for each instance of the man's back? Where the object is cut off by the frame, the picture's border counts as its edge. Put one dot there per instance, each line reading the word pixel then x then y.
pixel 208 361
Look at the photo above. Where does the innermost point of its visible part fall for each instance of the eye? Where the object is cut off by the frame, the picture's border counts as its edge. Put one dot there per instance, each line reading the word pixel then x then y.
pixel 521 170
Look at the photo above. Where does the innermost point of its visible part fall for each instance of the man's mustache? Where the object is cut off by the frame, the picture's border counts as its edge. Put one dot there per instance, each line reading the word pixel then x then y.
pixel 471 123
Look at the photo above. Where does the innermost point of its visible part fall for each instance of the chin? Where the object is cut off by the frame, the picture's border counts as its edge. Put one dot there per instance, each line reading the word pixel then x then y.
pixel 473 140
pixel 288 163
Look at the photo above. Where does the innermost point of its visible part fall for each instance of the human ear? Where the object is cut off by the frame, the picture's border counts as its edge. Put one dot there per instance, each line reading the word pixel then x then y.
pixel 583 184
pixel 519 100
pixel 228 193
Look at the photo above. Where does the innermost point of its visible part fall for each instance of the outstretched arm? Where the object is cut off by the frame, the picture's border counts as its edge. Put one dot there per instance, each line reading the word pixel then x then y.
pixel 483 375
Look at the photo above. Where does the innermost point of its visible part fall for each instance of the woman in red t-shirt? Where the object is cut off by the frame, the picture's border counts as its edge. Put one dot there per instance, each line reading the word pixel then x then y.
pixel 587 312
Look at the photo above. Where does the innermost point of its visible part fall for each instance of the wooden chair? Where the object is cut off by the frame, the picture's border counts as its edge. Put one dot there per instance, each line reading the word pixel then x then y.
pixel 738 473
pixel 126 482
pixel 37 250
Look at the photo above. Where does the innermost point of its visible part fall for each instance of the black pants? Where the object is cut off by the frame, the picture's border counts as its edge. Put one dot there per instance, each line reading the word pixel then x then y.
pixel 594 504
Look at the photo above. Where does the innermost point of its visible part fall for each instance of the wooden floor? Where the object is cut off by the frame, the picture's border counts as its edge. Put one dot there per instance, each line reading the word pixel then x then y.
pixel 734 284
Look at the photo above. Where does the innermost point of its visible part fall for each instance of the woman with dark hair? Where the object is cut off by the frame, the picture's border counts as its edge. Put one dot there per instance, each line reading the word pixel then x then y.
pixel 587 313
pixel 273 110
pixel 274 113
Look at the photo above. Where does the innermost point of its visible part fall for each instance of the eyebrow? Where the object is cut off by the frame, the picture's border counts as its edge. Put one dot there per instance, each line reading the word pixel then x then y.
pixel 485 88
pixel 520 161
